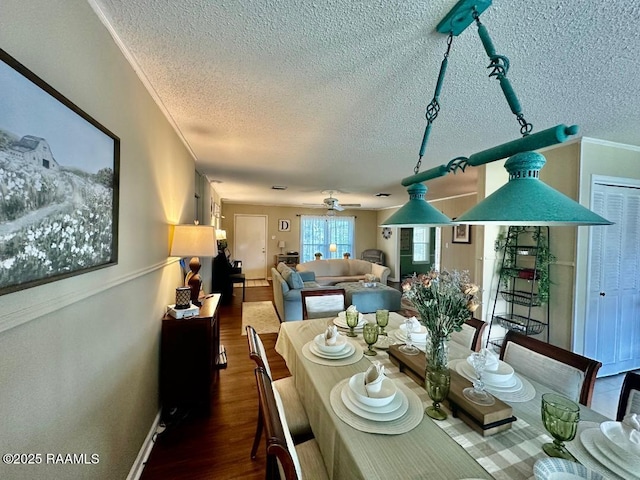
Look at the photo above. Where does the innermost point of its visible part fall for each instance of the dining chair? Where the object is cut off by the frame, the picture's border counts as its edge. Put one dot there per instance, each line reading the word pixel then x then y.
pixel 471 334
pixel 283 457
pixel 629 396
pixel 321 303
pixel 296 415
pixel 567 373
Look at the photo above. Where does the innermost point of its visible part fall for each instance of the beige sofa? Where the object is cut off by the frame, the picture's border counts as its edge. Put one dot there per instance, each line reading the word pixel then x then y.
pixel 330 272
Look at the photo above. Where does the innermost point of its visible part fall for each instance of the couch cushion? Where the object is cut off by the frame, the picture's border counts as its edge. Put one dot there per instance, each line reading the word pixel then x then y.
pixel 281 266
pixel 359 267
pixel 292 278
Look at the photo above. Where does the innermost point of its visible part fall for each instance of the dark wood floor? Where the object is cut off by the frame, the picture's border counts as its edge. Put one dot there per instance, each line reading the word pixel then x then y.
pixel 219 446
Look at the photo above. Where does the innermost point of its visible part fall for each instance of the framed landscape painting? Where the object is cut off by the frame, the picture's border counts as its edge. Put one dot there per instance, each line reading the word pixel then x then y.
pixel 59 178
pixel 461 234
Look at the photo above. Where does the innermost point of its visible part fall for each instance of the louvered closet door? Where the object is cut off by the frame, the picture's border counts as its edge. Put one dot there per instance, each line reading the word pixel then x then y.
pixel 613 309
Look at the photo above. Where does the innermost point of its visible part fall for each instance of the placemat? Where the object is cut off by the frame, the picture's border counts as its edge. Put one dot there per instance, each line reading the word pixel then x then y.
pixel 406 423
pixel 356 356
pixel 526 393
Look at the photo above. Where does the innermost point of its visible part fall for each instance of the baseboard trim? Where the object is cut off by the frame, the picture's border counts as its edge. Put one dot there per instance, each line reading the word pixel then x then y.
pixel 145 450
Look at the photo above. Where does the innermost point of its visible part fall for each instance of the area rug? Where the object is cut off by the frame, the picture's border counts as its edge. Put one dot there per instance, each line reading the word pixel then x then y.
pixel 260 315
pixel 252 283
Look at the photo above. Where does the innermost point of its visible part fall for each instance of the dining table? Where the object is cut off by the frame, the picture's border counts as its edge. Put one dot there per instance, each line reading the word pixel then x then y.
pixel 414 446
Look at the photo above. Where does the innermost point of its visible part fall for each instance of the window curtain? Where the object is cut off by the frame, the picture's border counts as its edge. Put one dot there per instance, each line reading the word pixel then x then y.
pixel 317 232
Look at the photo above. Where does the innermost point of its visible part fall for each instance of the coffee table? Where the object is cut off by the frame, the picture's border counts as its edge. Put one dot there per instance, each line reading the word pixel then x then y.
pixel 370 299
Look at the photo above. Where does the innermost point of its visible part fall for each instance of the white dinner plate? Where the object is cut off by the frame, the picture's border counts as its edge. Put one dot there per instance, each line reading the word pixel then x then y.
pixel 339 345
pixel 395 335
pixel 347 352
pixel 377 417
pixel 460 366
pixel 596 444
pixel 508 385
pixel 343 324
pixel 560 469
pixel 499 376
pixel 390 407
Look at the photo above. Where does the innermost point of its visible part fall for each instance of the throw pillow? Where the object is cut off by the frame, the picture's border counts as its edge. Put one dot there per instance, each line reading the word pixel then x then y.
pixel 295 280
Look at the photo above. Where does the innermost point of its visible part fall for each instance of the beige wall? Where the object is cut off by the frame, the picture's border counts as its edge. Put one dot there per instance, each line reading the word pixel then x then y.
pixel 453 256
pixel 79 357
pixel 365 226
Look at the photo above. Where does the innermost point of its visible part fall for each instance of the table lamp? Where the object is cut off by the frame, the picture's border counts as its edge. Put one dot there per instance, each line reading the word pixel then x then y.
pixel 194 241
pixel 282 244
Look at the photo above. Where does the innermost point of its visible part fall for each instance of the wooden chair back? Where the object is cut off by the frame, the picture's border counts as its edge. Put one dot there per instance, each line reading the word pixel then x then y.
pixel 281 453
pixel 321 303
pixel 629 396
pixel 471 334
pixel 566 372
pixel 257 352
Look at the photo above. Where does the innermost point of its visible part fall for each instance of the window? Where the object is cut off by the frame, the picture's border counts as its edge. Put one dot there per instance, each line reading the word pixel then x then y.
pixel 421 241
pixel 318 232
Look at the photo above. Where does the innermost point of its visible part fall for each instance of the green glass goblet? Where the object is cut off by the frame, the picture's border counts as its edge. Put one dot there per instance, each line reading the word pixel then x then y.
pixel 352 318
pixel 437 382
pixel 370 335
pixel 560 417
pixel 382 319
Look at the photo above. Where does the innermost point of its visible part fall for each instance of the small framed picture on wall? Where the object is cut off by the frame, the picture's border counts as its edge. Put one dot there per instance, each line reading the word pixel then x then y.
pixel 461 234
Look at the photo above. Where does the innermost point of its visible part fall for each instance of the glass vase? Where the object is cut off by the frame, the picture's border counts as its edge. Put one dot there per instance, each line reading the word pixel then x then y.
pixel 437 377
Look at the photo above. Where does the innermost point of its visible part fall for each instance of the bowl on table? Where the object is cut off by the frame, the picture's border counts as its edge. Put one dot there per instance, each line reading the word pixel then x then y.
pixel 320 342
pixel 378 399
pixel 417 336
pixel 501 375
pixel 617 435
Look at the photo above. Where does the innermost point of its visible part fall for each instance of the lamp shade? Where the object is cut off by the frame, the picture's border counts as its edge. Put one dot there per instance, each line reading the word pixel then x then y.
pixel 333 247
pixel 281 244
pixel 221 234
pixel 193 241
pixel 417 211
pixel 525 200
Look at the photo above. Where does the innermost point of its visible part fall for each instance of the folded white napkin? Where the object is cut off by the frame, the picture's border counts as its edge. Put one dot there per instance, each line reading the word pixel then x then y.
pixel 352 308
pixel 331 335
pixel 492 361
pixel 631 426
pixel 413 325
pixel 373 377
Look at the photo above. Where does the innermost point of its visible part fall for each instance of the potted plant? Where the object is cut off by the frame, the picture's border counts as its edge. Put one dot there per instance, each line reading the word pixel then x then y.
pixel 318 255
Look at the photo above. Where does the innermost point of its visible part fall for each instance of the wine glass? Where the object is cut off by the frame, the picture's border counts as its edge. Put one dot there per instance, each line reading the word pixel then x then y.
pixel 352 317
pixel 370 335
pixel 382 319
pixel 437 382
pixel 477 393
pixel 408 348
pixel 560 417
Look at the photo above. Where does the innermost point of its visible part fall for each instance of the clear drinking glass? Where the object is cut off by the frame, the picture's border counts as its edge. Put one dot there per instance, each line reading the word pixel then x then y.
pixel 560 417
pixel 382 319
pixel 408 348
pixel 352 318
pixel 477 393
pixel 370 335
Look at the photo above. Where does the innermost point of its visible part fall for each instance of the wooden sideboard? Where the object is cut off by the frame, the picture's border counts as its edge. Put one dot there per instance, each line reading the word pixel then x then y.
pixel 189 360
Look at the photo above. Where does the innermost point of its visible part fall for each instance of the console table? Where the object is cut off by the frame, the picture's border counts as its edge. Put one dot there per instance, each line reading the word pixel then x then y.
pixel 190 355
pixel 290 260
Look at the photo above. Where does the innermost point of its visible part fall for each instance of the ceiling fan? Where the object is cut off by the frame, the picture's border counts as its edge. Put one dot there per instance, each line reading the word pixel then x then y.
pixel 332 204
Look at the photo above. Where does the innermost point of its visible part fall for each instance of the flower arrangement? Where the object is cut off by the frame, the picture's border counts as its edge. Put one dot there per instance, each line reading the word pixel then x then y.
pixel 444 300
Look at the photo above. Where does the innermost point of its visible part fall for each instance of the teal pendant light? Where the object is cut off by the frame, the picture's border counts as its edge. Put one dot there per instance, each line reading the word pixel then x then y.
pixel 525 200
pixel 417 211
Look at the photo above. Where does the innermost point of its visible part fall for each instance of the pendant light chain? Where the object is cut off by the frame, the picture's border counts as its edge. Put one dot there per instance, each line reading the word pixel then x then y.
pixel 499 67
pixel 434 107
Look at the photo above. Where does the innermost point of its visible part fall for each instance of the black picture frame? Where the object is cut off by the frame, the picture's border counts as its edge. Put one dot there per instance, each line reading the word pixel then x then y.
pixel 59 184
pixel 461 234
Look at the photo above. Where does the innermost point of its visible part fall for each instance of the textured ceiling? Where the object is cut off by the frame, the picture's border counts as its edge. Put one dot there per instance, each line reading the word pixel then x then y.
pixel 330 95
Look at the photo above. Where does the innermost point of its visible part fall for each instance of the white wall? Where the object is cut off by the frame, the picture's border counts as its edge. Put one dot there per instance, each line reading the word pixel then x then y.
pixel 79 357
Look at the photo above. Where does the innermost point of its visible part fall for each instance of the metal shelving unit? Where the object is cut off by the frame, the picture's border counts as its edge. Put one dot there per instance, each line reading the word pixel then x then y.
pixel 518 294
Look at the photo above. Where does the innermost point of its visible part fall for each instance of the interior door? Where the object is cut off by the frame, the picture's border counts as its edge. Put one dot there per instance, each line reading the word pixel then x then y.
pixel 250 245
pixel 612 333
